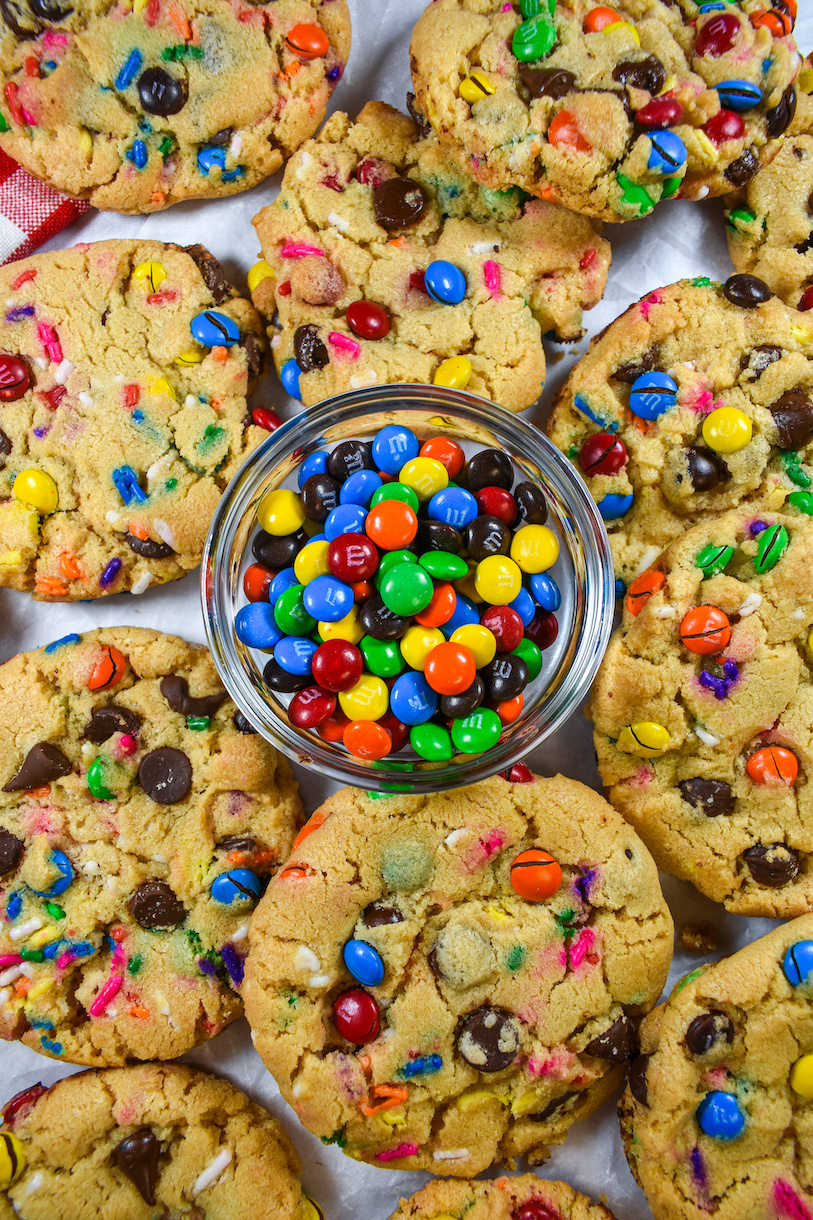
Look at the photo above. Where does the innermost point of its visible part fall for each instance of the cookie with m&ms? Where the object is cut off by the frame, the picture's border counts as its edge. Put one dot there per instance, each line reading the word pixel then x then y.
pixel 154 1139
pixel 717 1105
pixel 140 819
pixel 608 109
pixel 137 108
pixel 123 414
pixel 384 262
pixel 406 991
pixel 526 1197
pixel 702 708
pixel 701 397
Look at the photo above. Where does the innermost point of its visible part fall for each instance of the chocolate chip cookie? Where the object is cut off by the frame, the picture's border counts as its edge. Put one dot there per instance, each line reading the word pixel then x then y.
pixel 608 110
pixel 156 1139
pixel 136 107
pixel 716 1112
pixel 703 706
pixel 696 399
pixel 444 982
pixel 140 817
pixel 521 1198
pixel 124 370
pixel 385 263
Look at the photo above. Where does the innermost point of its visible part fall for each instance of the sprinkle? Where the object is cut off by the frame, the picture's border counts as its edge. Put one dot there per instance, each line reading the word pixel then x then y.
pixel 64 371
pixel 236 145
pixel 359 381
pixel 580 403
pixel 8 976
pixel 15 905
pixel 485 247
pixel 10 959
pixel 164 532
pixel 454 837
pixel 65 639
pixel 85 399
pixel 298 249
pixel 752 602
pixel 106 996
pixel 11 91
pixel 338 222
pixel 427 1065
pixel 453 1154
pixel 706 737
pixel 492 277
pixel 14 315
pixel 24 277
pixel 207 967
pixel 788 1203
pixel 665 612
pixel 33 1184
pixel 241 933
pixel 210 1175
pixel 306 960
pixel 142 584
pixel 344 343
pixel 233 963
pixel 110 573
pixel 39 989
pixel 127 485
pixel 137 153
pixel 25 929
pixel 129 70
pixel 48 339
pixel 395 1154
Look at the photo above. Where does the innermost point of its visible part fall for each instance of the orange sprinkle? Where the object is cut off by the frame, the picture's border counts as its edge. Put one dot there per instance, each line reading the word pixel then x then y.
pixel 22 986
pixel 398 242
pixel 587 259
pixel 138 530
pixel 153 9
pixel 313 823
pixel 550 193
pixel 366 1064
pixel 50 586
pixel 118 934
pixel 32 66
pixel 220 354
pixel 393 1095
pixel 41 794
pixel 70 567
pixel 23 278
pixel 157 197
pixel 139 1011
pixel 178 19
pixel 216 403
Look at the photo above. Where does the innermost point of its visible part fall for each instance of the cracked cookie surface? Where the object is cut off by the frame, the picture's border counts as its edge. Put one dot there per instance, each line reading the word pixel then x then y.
pixel 708 753
pixel 118 429
pixel 736 1027
pixel 334 241
pixel 606 110
pixel 158 1138
pixel 139 819
pixel 502 1019
pixel 500 1199
pixel 137 106
pixel 687 405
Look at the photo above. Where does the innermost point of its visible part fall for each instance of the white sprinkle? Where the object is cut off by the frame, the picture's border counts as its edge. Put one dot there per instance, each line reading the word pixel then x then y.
pixel 111 883
pixel 90 868
pixel 454 837
pixel 119 379
pixel 25 930
pixel 252 1035
pixel 701 194
pixel 161 859
pixel 338 222
pixel 5 995
pixel 33 1184
pixel 190 401
pixel 304 161
pixel 63 372
pixel 112 517
pixel 706 737
pixel 163 1003
pixel 649 556
pixel 320 980
pixel 752 602
pixel 10 301
pixel 43 364
pixel 306 960
pixel 666 612
pixel 687 364
pixel 164 533
pixel 454 1154
pixel 27 969
pixel 89 750
pixel 275 342
pixel 157 469
pixel 210 1175
pixel 485 247
pixel 8 976
pixel 236 145
pixel 142 584
pixel 86 400
pixel 359 380
pixel 241 933
pixel 798 614
pixel 298 1088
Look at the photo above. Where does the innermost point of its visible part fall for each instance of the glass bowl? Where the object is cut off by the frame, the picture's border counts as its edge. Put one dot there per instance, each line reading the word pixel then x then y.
pixel 583 572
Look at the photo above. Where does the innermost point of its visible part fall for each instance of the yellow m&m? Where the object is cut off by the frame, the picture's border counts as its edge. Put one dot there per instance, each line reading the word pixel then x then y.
pixel 37 490
pixel 259 272
pixel 190 357
pixel 535 548
pixel 644 738
pixel 454 373
pixel 154 273
pixel 348 628
pixel 12 1159
pixel 480 642
pixel 312 1210
pixel 280 512
pixel 425 476
pixel 416 644
pixel 498 579
pixel 727 430
pixel 801 1077
pixel 474 87
pixel 311 562
pixel 367 700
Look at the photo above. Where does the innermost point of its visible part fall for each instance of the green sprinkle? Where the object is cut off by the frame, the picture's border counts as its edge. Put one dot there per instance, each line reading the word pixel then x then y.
pixel 702 281
pixel 565 920
pixel 212 436
pixel 170 484
pixel 135 964
pixel 4 123
pixel 515 958
pixel 197 723
pixel 32 955
pixel 573 452
pixel 688 978
pixel 335 1138
pixel 713 559
pixel 179 52
pixel 738 217
pixel 54 910
pixel 166 146
pixel 794 471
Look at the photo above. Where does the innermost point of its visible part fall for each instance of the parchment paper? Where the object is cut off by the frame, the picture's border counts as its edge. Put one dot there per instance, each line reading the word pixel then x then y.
pixel 678 239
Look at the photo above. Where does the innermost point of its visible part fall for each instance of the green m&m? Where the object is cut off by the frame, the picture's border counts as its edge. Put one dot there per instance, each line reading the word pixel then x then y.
pixel 478 732
pixel 382 657
pixel 406 589
pixel 431 741
pixel 534 39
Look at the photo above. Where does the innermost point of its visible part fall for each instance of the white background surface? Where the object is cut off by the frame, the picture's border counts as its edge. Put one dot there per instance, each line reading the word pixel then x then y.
pixel 678 239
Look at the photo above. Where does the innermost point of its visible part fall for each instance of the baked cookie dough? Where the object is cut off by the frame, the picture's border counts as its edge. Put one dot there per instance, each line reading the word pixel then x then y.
pixel 124 370
pixel 607 110
pixel 500 1199
pixel 703 709
pixel 716 1115
pixel 373 214
pixel 697 398
pixel 420 1012
pixel 156 1139
pixel 140 817
pixel 137 106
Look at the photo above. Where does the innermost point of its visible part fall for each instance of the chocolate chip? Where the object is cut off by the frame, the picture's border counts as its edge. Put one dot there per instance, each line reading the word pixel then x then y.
pixel 772 864
pixel 378 914
pixel 759 358
pixel 5 445
pixel 17 17
pixel 547 82
pixel 161 93
pixel 706 469
pixel 781 116
pixel 399 203
pixel 154 905
pixel 793 416
pixel 424 128
pixel 211 272
pixel 137 1158
pixel 309 350
pixel 746 291
pixel 148 548
pixel 242 724
pixel 113 718
pixel 712 796
pixel 254 354
pixel 238 843
pixel 707 1029
pixel 176 692
pixel 220 139
pixel 743 169
pixel 165 775
pixel 637 1078
pixel 11 850
pixel 616 1044
pixel 42 763
pixel 551 1108
pixel 630 372
pixel 648 74
pixel 50 10
pixel 489 1039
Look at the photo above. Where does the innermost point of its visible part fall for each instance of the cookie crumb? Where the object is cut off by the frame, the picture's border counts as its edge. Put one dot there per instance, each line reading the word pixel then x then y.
pixel 697 938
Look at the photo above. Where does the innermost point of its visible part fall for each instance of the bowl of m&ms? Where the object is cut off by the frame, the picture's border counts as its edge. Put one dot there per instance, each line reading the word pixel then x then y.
pixel 407 588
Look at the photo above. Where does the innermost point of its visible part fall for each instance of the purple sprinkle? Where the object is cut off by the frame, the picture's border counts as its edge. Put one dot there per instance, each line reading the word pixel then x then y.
pixel 233 963
pixel 334 74
pixel 730 671
pixel 698 1168
pixel 206 967
pixel 756 527
pixel 41 432
pixel 711 683
pixel 14 315
pixel 582 884
pixel 110 573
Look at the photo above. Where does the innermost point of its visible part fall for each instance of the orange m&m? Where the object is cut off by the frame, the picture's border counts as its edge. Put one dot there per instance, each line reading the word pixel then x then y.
pixel 641 589
pixel 772 766
pixel 308 41
pixel 535 875
pixel 450 668
pixel 599 18
pixel 440 609
pixel 108 669
pixel 445 451
pixel 564 133
pixel 366 739
pixel 392 524
pixel 705 630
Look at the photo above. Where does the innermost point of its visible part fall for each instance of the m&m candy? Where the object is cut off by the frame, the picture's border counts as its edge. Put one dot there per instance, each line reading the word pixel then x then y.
pixel 798 963
pixel 773 766
pixel 705 630
pixel 535 875
pixel 641 589
pixel 356 1016
pixel 719 1115
pixel 645 738
pixel 363 962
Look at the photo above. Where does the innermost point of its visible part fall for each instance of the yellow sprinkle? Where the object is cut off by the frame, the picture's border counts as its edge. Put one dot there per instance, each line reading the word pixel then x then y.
pixel 478 1097
pixel 707 147
pixel 259 272
pixel 43 937
pixel 521 1105
pixel 190 357
pixel 806 80
pixel 162 386
pixel 393 1118
pixel 86 143
pixel 776 498
pixel 39 989
pixel 497 912
pixel 11 559
pixel 801 334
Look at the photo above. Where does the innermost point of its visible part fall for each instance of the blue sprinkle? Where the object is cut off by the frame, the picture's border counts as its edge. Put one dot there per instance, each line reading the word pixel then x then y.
pixel 580 404
pixel 713 684
pixel 127 485
pixel 65 639
pixel 41 432
pixel 14 315
pixel 137 154
pixel 49 65
pixel 56 1047
pixel 14 906
pixel 82 948
pixel 206 967
pixel 145 127
pixel 130 70
pixel 137 417
pixel 41 1023
pixel 333 74
pixel 766 65
pixel 425 1066
pixel 110 573
pixel 55 948
pixel 233 963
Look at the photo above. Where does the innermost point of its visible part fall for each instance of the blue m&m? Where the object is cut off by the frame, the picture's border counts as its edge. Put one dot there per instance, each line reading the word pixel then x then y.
pixel 720 1116
pixel 668 155
pixel 393 447
pixel 294 654
pixel 256 627
pixel 412 699
pixel 328 599
pixel 360 487
pixel 345 519
pixel 214 329
pixel 614 506
pixel 65 869
pixel 545 590
pixel 445 282
pixel 798 963
pixel 364 963
pixel 738 94
pixel 238 887
pixel 651 394
pixel 314 463
pixel 454 506
pixel 289 375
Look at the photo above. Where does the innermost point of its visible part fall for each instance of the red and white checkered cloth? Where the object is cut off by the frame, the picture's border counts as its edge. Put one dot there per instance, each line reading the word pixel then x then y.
pixel 30 211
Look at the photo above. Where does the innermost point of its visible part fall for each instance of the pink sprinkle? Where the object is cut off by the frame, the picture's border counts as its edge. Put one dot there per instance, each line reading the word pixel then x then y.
pixel 49 340
pixel 494 842
pixel 10 959
pixel 491 275
pixel 52 39
pixel 119 956
pixel 28 116
pixel 580 948
pixel 395 1154
pixel 106 996
pixel 298 249
pixel 788 1203
pixel 506 8
pixel 344 344
pixel 64 960
pixel 654 298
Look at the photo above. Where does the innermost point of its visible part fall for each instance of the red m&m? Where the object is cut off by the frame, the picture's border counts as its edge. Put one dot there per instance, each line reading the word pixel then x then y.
pixel 356 1015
